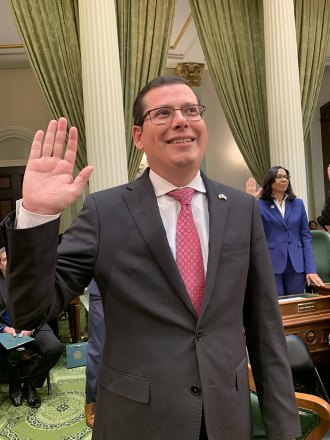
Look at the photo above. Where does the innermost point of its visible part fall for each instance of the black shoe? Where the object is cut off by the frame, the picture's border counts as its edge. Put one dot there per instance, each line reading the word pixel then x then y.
pixel 15 393
pixel 31 395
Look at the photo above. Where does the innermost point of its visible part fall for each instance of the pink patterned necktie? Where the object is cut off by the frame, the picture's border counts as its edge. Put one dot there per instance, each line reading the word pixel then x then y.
pixel 188 248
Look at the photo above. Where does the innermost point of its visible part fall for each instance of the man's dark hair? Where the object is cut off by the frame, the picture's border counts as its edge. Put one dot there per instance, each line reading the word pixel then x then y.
pixel 138 107
pixel 269 179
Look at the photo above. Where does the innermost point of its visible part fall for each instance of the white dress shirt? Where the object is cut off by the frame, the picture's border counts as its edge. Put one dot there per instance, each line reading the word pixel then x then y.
pixel 169 211
pixel 281 205
pixel 170 208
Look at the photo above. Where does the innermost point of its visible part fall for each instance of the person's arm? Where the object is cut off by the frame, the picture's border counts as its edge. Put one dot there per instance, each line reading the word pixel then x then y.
pixel 266 342
pixel 48 188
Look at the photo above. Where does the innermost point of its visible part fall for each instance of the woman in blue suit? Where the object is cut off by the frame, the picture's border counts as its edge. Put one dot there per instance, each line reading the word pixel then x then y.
pixel 287 232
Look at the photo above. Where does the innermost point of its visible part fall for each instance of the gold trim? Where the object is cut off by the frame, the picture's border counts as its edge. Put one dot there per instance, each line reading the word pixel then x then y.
pixel 11 46
pixel 183 30
pixel 191 72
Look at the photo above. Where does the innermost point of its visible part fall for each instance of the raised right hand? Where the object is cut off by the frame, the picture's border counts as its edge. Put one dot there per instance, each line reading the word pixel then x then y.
pixel 48 185
pixel 251 187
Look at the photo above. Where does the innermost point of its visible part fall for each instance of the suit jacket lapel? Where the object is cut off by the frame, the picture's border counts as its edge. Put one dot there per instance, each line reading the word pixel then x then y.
pixel 218 211
pixel 142 204
pixel 288 208
pixel 276 212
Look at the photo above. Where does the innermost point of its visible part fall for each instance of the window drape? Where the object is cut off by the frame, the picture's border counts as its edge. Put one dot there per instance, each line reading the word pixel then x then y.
pixel 232 38
pixel 50 33
pixel 313 32
pixel 144 30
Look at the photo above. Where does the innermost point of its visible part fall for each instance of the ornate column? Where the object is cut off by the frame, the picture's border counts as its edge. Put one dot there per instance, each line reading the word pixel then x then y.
pixel 283 93
pixel 103 101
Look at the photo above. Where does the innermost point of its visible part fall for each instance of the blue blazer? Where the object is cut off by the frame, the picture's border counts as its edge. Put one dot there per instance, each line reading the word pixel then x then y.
pixel 288 235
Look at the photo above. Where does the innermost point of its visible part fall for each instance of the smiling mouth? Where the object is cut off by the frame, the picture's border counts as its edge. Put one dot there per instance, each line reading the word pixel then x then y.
pixel 180 141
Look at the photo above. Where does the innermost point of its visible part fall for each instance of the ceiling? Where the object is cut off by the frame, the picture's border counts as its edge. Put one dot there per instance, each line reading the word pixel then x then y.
pixel 184 44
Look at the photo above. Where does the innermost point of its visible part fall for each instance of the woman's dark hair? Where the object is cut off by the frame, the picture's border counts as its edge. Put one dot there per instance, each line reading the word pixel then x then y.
pixel 267 184
pixel 320 221
pixel 160 81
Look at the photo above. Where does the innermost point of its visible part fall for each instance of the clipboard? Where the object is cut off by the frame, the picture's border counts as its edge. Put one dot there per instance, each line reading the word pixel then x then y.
pixel 9 342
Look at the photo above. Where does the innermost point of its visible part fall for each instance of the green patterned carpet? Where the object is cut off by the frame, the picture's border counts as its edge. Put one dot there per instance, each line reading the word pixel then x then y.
pixel 61 415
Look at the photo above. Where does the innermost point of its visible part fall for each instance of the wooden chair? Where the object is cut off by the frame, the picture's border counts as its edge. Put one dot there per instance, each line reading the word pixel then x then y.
pixel 314 414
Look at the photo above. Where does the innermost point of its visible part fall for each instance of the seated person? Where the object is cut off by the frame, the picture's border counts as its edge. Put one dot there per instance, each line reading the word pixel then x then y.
pixel 96 333
pixel 45 343
pixel 313 226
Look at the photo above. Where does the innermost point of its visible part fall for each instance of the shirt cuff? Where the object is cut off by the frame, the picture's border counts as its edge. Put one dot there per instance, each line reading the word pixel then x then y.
pixel 26 219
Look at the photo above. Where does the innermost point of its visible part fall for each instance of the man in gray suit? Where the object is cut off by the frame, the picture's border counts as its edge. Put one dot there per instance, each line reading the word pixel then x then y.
pixel 169 371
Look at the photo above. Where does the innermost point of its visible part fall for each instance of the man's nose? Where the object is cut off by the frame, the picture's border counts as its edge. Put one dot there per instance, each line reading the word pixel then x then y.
pixel 179 119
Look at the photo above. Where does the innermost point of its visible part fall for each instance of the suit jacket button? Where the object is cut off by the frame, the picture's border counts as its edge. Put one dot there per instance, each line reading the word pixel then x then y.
pixel 199 335
pixel 195 390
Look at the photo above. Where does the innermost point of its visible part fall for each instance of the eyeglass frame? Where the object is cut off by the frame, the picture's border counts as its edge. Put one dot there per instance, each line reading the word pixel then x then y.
pixel 200 106
pixel 280 177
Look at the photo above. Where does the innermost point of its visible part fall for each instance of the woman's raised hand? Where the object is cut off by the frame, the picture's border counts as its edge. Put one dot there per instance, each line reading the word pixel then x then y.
pixel 251 187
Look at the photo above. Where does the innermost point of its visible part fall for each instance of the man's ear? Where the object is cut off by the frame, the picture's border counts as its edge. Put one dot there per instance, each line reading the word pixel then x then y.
pixel 137 133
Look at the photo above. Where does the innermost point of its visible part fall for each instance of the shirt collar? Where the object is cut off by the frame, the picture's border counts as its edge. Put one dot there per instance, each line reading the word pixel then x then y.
pixel 162 186
pixel 275 200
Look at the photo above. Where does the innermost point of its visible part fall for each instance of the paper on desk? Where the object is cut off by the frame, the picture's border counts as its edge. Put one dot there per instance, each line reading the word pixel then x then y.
pixel 8 341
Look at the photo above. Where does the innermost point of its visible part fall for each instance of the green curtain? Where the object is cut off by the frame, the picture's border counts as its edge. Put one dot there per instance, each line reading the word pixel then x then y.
pixel 50 33
pixel 232 38
pixel 144 30
pixel 313 32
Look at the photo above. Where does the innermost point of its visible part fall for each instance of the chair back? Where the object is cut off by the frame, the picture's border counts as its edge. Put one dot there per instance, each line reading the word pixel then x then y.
pixel 301 363
pixel 321 248
pixel 298 354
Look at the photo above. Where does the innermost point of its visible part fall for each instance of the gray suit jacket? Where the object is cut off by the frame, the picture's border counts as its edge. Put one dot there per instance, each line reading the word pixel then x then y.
pixel 162 365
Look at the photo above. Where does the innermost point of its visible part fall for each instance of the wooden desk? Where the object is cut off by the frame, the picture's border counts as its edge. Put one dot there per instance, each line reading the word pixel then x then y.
pixel 322 290
pixel 308 316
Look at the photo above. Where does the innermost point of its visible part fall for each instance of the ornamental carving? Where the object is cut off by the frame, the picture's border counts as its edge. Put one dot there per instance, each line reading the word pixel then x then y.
pixel 311 337
pixel 191 72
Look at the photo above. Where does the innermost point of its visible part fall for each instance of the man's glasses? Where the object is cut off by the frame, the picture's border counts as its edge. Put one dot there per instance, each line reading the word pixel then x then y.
pixel 282 177
pixel 165 115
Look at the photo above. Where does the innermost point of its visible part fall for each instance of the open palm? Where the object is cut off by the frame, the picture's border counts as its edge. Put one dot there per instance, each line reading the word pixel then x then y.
pixel 251 187
pixel 48 185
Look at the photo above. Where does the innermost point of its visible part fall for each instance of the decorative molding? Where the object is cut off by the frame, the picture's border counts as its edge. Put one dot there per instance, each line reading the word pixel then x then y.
pixel 181 33
pixel 11 46
pixel 13 163
pixel 191 72
pixel 15 131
